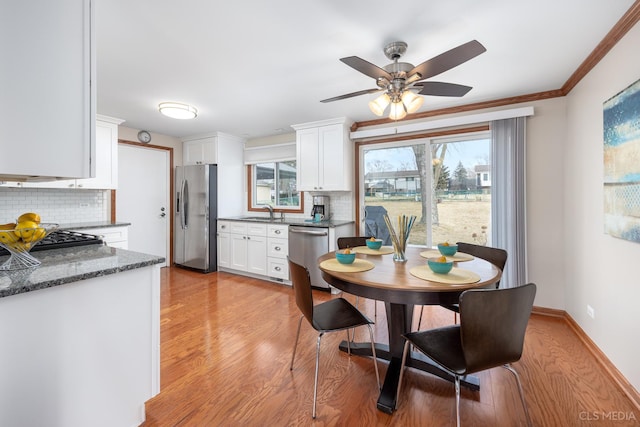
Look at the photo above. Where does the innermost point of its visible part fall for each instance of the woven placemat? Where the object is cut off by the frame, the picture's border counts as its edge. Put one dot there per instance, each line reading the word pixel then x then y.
pixel 357 266
pixel 457 276
pixel 384 250
pixel 458 257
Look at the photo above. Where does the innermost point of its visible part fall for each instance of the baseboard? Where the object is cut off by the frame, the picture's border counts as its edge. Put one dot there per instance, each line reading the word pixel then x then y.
pixel 613 372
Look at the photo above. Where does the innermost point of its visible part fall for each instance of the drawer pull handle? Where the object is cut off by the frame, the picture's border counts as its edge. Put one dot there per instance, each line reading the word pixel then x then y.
pixel 277 248
pixel 277 231
pixel 277 268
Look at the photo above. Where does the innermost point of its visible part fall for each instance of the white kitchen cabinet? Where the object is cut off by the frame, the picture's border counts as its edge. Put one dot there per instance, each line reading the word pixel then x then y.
pixel 47 111
pixel 227 152
pixel 324 156
pixel 117 237
pixel 277 251
pixel 243 246
pixel 106 161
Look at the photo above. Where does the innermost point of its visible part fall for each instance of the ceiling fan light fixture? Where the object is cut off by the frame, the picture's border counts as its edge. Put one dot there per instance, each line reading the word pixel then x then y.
pixel 397 111
pixel 412 101
pixel 177 110
pixel 378 105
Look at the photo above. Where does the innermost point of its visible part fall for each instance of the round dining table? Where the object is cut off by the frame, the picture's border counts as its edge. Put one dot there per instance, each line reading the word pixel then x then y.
pixel 395 284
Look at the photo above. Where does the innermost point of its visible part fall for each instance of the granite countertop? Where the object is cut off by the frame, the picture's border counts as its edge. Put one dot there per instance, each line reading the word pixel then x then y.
pixel 67 265
pixel 94 224
pixel 293 221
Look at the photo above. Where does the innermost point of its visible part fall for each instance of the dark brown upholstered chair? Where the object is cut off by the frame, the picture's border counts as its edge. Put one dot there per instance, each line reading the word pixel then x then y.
pixel 491 333
pixel 333 315
pixel 352 242
pixel 495 256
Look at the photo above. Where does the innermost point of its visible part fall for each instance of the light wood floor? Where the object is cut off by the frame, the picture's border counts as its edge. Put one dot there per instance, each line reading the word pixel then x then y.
pixel 226 346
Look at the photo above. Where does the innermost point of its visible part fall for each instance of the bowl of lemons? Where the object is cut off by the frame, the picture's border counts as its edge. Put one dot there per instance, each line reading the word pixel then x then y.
pixel 440 265
pixel 374 243
pixel 346 256
pixel 19 237
pixel 447 249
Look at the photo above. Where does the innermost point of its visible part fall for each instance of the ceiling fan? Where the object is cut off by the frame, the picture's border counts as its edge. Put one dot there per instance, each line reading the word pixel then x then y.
pixel 399 80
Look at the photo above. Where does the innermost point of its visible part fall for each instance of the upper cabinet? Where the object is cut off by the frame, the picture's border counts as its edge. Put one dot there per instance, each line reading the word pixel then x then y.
pixel 324 156
pixel 47 107
pixel 226 151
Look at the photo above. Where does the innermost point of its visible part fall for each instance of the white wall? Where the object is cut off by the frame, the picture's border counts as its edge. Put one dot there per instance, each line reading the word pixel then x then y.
pixel 600 270
pixel 130 134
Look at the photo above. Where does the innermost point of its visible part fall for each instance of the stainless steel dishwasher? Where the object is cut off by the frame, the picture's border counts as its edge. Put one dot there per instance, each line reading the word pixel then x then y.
pixel 306 245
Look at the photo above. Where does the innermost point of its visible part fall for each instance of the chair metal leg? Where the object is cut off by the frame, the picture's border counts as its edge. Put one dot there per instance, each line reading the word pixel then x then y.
pixel 457 382
pixel 524 404
pixel 420 319
pixel 375 358
pixel 315 383
pixel 296 344
pixel 402 362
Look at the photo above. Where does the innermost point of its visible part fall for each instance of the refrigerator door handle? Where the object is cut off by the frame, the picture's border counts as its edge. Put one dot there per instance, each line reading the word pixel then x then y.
pixel 183 219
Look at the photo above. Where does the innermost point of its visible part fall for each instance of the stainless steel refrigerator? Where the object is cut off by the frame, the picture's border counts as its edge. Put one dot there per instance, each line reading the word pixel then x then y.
pixel 196 217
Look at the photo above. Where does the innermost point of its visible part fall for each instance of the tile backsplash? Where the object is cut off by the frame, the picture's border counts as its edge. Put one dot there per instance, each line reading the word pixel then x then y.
pixel 54 205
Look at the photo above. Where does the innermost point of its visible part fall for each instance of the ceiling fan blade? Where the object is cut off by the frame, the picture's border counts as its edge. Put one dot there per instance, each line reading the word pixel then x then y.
pixel 442 89
pixel 447 60
pixel 350 95
pixel 366 67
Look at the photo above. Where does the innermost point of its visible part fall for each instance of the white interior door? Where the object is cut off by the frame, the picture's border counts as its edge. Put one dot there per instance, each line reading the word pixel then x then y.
pixel 142 198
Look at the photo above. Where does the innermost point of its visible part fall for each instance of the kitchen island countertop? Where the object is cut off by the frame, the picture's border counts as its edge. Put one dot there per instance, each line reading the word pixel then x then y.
pixel 67 265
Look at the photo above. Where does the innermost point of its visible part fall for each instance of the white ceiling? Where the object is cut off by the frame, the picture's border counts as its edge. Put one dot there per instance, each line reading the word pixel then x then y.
pixel 254 67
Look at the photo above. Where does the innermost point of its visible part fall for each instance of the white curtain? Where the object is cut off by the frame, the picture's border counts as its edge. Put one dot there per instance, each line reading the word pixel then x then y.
pixel 508 222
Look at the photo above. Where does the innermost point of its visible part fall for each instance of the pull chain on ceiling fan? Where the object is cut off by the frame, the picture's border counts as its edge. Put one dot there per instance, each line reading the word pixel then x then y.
pixel 399 80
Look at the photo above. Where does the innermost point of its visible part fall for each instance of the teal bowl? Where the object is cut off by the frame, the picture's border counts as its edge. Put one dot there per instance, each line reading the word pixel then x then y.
pixel 449 250
pixel 345 258
pixel 374 244
pixel 439 267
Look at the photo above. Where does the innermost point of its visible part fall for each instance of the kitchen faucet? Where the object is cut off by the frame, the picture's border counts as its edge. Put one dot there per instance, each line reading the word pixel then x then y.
pixel 270 209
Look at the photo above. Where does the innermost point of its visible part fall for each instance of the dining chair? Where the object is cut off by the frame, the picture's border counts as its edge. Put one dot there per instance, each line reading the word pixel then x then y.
pixel 495 256
pixel 330 316
pixel 491 333
pixel 352 242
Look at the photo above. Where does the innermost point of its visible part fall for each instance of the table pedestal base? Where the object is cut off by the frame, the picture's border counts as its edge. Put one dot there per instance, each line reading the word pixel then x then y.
pixel 387 400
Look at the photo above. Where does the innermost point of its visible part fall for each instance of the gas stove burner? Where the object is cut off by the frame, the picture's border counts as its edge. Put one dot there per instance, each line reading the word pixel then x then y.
pixel 63 239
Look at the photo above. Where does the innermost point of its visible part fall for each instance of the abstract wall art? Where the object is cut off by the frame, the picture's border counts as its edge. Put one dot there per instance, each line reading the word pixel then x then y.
pixel 621 120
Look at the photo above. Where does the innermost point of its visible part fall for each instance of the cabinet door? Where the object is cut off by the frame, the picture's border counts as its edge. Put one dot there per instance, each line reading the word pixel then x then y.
pixel 307 158
pixel 257 255
pixel 330 158
pixel 49 105
pixel 224 250
pixel 106 159
pixel 238 252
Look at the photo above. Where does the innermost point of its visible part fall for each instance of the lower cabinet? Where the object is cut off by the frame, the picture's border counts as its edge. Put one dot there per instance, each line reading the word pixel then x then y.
pixel 242 246
pixel 117 237
pixel 259 249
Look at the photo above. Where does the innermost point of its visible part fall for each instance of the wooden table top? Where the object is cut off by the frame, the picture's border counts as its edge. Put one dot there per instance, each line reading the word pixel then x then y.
pixel 392 281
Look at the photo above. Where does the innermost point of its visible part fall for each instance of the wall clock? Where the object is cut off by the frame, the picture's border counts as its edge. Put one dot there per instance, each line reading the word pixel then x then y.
pixel 144 136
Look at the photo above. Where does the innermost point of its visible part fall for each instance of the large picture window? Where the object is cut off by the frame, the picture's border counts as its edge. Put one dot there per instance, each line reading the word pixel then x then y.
pixel 274 184
pixel 446 183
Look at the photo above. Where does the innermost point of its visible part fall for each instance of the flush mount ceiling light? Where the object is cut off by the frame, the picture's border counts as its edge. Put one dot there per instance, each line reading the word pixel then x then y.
pixel 177 110
pixel 402 83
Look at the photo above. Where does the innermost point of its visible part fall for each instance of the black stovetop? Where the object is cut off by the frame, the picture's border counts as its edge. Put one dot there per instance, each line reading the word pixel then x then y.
pixel 63 239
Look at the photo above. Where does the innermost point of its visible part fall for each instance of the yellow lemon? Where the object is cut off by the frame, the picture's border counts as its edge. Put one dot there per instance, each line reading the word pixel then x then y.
pixel 8 226
pixel 29 216
pixel 373 239
pixel 39 234
pixel 347 251
pixel 445 244
pixel 442 259
pixel 26 230
pixel 8 237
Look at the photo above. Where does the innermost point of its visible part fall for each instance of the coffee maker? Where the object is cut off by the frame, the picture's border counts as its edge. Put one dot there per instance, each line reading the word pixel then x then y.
pixel 320 206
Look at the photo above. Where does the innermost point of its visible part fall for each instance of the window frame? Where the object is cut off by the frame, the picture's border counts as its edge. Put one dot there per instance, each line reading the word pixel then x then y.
pixel 251 189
